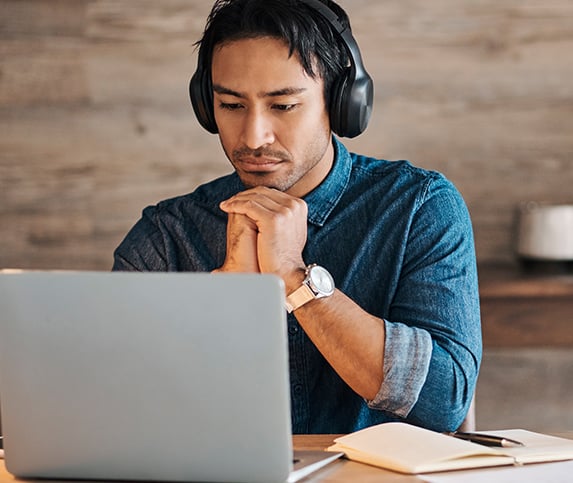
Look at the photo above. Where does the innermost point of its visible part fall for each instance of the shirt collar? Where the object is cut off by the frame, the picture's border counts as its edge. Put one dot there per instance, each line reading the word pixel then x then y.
pixel 322 200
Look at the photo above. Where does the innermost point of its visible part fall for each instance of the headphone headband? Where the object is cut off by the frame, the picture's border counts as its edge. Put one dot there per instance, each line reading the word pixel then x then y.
pixel 352 93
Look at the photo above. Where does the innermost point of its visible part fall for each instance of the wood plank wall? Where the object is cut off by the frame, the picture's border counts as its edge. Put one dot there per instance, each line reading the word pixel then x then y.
pixel 95 121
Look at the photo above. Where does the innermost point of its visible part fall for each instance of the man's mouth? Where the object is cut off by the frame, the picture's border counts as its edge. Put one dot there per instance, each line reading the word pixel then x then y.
pixel 258 164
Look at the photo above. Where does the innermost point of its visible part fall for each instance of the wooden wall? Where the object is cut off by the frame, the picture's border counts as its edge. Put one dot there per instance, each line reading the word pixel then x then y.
pixel 95 124
pixel 95 121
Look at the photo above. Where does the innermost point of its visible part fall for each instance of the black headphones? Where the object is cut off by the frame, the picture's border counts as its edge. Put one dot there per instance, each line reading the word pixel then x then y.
pixel 352 93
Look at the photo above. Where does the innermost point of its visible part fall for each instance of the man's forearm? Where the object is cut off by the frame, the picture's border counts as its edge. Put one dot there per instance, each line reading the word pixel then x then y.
pixel 349 338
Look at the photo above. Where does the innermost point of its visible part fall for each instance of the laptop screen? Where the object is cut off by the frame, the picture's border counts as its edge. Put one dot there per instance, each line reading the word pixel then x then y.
pixel 159 376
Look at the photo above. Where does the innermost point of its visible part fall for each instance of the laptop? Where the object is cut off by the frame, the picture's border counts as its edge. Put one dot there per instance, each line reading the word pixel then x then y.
pixel 147 376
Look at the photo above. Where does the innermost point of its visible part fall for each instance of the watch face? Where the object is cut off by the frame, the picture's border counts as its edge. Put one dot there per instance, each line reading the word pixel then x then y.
pixel 322 280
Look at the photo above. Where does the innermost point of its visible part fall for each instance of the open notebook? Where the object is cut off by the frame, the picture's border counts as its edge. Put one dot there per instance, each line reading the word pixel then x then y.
pixel 409 449
pixel 146 376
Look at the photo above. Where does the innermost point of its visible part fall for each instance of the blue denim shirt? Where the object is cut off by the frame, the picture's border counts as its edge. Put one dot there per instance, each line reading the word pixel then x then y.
pixel 398 241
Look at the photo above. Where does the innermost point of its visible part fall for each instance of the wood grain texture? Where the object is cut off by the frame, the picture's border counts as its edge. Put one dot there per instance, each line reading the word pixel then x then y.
pixel 527 322
pixel 95 124
pixel 95 121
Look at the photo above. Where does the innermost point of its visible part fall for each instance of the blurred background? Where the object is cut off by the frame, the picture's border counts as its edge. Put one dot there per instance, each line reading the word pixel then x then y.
pixel 96 124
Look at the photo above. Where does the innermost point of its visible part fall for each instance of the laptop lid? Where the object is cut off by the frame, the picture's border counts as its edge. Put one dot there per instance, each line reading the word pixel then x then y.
pixel 145 376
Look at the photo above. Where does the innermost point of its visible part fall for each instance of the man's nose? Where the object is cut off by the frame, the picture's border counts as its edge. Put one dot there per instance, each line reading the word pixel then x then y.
pixel 257 130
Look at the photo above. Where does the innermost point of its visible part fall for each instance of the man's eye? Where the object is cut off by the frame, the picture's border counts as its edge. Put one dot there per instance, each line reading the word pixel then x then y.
pixel 229 106
pixel 284 107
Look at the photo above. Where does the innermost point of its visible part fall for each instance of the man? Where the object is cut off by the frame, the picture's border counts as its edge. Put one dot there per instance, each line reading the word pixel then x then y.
pixel 399 338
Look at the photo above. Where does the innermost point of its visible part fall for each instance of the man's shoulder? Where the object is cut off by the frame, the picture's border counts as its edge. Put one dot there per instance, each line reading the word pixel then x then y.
pixel 392 171
pixel 398 180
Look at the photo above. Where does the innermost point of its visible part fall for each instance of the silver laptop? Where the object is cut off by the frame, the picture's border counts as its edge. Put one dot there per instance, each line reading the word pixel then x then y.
pixel 146 376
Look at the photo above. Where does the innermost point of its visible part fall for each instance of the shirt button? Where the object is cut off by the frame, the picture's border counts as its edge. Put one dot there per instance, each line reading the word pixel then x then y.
pixel 297 389
pixel 293 329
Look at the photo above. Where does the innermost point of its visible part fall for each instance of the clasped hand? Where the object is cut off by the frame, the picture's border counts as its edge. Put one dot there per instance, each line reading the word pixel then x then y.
pixel 266 232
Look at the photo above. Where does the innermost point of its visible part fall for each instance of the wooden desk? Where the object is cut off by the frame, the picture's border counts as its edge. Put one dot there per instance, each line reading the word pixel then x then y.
pixel 337 472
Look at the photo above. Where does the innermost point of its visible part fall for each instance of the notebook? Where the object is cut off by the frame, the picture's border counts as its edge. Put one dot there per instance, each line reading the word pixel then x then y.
pixel 409 449
pixel 146 376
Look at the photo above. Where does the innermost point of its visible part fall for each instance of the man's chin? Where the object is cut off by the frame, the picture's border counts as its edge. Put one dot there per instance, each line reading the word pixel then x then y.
pixel 253 180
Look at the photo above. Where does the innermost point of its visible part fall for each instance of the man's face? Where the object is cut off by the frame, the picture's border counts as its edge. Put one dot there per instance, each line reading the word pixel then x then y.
pixel 272 118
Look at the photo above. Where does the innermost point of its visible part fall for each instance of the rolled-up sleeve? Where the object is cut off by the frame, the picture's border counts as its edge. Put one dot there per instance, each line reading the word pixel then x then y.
pixel 407 355
pixel 433 332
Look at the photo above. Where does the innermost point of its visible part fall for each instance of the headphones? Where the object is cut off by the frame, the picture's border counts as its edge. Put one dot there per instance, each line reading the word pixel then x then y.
pixel 352 93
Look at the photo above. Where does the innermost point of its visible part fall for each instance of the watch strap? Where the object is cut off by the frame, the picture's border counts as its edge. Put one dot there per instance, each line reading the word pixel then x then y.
pixel 298 298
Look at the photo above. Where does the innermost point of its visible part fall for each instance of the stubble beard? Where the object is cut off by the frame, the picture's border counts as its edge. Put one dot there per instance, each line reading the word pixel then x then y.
pixel 290 173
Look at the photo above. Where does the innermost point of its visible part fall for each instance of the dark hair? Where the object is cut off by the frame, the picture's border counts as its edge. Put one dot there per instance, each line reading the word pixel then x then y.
pixel 306 32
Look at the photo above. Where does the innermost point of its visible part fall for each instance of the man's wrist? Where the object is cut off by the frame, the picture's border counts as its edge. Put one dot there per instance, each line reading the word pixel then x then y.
pixel 294 279
pixel 316 284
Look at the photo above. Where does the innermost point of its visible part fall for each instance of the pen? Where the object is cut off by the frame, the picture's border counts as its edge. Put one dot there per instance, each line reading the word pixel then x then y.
pixel 487 439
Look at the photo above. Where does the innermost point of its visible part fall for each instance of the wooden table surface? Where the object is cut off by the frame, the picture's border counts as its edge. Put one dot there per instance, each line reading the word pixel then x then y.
pixel 340 471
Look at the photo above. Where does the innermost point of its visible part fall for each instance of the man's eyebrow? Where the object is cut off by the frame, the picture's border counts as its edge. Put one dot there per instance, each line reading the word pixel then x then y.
pixel 224 90
pixel 286 91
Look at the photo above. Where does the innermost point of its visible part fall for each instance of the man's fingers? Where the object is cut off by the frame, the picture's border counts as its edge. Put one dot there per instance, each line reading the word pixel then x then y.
pixel 259 203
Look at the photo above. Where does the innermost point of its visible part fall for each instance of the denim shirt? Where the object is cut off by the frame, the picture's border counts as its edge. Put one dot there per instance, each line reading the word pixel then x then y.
pixel 398 241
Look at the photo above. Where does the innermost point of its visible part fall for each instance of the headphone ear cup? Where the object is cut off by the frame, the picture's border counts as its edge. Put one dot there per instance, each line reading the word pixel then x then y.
pixel 351 105
pixel 201 95
pixel 336 108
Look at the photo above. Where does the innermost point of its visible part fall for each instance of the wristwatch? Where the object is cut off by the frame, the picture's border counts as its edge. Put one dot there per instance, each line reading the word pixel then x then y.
pixel 317 284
